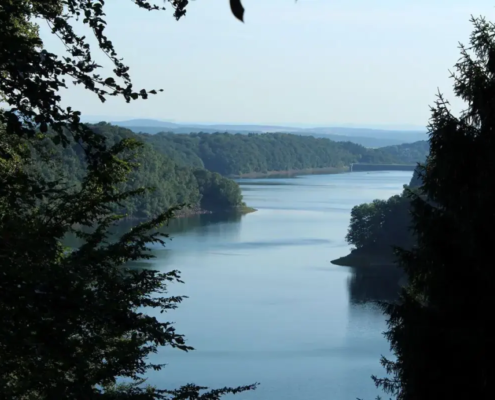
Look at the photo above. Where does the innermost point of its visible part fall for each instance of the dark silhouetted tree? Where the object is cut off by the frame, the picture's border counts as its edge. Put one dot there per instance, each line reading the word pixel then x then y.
pixel 441 330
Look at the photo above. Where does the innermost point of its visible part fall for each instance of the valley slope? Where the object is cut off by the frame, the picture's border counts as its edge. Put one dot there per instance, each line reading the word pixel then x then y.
pixel 196 169
pixel 366 137
pixel 252 155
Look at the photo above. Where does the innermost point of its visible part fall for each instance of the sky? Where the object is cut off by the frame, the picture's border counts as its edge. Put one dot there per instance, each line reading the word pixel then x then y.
pixel 310 62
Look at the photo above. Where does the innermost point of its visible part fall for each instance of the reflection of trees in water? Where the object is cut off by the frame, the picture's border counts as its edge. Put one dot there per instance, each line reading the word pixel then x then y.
pixel 181 225
pixel 176 226
pixel 209 224
pixel 377 283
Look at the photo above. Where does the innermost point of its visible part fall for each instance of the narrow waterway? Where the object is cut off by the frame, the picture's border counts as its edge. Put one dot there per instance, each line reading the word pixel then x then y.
pixel 265 304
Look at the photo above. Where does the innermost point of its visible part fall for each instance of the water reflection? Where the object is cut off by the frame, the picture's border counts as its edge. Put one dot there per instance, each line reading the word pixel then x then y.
pixel 211 221
pixel 265 182
pixel 219 224
pixel 372 284
pixel 264 302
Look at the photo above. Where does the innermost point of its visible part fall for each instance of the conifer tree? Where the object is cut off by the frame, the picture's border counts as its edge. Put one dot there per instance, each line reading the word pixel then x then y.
pixel 441 330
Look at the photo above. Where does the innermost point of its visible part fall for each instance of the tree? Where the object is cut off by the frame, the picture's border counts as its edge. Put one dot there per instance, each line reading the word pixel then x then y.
pixel 366 223
pixel 71 320
pixel 380 226
pixel 25 28
pixel 441 329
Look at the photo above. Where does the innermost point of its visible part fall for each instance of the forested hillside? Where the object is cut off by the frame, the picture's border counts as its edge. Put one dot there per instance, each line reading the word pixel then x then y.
pixel 371 138
pixel 409 153
pixel 174 183
pixel 187 168
pixel 240 154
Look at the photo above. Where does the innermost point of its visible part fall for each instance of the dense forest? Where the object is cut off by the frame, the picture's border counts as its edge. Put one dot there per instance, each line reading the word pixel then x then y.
pixel 378 226
pixel 409 153
pixel 238 154
pixel 192 169
pixel 172 183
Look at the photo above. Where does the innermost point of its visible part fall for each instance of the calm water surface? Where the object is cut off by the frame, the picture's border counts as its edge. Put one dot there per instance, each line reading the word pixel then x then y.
pixel 265 303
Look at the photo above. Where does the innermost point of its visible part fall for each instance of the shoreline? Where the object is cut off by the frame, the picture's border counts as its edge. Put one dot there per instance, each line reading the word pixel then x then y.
pixel 187 213
pixel 291 172
pixel 320 171
pixel 365 260
pixel 239 210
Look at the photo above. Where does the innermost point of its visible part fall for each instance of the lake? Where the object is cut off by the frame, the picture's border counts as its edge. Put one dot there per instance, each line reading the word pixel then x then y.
pixel 265 303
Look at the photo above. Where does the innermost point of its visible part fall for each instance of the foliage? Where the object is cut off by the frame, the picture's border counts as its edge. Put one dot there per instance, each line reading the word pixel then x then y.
pixel 61 336
pixel 172 184
pixel 40 74
pixel 409 153
pixel 217 192
pixel 366 222
pixel 71 319
pixel 416 181
pixel 25 28
pixel 238 154
pixel 381 225
pixel 441 329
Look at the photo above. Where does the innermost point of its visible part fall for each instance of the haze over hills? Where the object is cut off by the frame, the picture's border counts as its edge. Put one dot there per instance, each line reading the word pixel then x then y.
pixel 364 136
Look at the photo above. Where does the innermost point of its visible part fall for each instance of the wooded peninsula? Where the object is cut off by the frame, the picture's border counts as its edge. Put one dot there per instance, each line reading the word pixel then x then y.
pixel 378 227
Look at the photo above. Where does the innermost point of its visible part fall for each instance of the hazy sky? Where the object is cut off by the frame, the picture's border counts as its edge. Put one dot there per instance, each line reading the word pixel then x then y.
pixel 313 61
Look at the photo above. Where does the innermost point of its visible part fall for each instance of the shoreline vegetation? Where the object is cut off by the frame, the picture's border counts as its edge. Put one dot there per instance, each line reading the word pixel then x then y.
pixel 201 169
pixel 270 154
pixel 193 212
pixel 325 171
pixel 159 181
pixel 292 173
pixel 188 212
pixel 365 260
pixel 66 265
pixel 376 227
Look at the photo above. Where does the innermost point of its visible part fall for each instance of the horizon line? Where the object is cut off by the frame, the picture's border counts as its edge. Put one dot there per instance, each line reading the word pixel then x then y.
pixel 412 127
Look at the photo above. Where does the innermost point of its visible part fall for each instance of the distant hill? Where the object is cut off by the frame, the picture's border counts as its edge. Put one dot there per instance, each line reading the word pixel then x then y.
pixel 371 138
pixel 147 123
pixel 409 153
pixel 370 142
pixel 395 135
